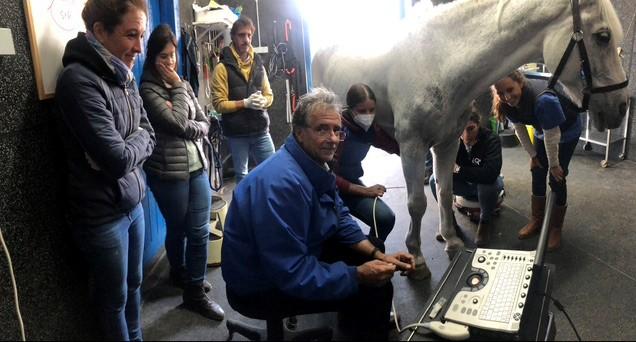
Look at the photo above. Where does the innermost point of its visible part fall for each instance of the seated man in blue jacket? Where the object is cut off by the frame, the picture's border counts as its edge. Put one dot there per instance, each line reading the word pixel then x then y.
pixel 476 172
pixel 290 245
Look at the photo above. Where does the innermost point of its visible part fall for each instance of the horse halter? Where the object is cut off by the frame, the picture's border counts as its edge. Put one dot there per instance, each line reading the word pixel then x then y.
pixel 577 39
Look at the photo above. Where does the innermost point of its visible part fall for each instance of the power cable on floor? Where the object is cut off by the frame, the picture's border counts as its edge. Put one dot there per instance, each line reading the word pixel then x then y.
pixel 15 287
pixel 395 312
pixel 562 309
pixel 375 228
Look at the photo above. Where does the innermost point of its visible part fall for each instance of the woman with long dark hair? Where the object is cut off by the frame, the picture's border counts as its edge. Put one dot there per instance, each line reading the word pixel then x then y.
pixel 177 170
pixel 361 133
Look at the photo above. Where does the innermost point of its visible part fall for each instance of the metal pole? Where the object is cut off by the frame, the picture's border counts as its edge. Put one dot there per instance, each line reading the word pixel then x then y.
pixel 543 237
pixel 258 25
pixel 628 124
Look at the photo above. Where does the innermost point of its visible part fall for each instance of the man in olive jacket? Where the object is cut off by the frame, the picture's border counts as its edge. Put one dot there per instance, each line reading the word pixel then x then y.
pixel 242 94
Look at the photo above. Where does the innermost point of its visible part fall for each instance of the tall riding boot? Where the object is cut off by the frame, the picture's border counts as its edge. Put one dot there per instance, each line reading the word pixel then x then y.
pixel 556 225
pixel 194 299
pixel 534 226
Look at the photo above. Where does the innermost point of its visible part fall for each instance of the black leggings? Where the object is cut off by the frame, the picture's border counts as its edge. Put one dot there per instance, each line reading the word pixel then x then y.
pixel 539 174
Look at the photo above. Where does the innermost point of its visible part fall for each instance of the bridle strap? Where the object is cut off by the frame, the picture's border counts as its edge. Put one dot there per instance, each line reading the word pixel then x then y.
pixel 586 70
pixel 562 62
pixel 609 88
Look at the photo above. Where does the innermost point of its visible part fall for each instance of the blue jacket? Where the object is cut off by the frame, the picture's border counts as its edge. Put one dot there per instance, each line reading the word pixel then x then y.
pixel 101 116
pixel 279 218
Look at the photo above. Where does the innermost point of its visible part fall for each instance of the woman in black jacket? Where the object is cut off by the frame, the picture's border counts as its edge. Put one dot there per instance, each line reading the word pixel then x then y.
pixel 476 174
pixel 107 137
pixel 177 169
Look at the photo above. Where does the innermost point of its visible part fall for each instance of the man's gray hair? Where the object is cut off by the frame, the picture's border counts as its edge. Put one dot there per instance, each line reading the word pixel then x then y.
pixel 318 99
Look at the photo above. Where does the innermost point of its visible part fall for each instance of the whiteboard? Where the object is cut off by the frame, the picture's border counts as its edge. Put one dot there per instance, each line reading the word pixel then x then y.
pixel 51 24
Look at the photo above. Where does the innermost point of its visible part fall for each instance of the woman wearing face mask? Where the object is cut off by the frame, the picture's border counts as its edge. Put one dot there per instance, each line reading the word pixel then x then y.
pixel 177 170
pixel 361 133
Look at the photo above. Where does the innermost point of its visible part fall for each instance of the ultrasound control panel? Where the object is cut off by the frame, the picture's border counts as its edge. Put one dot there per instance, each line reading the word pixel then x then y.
pixel 492 292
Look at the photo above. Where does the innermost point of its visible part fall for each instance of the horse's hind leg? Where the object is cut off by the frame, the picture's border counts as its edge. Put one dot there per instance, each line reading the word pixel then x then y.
pixel 443 161
pixel 413 157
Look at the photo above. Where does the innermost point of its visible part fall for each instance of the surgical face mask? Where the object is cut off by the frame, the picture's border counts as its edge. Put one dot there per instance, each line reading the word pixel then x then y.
pixel 364 120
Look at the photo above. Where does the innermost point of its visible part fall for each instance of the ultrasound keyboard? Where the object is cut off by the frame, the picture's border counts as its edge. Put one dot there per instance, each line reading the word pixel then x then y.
pixel 493 293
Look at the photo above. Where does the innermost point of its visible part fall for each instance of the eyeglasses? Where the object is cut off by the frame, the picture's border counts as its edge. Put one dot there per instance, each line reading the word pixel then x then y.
pixel 325 132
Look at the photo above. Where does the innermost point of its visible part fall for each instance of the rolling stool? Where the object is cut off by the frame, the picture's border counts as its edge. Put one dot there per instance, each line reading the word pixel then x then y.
pixel 218 211
pixel 276 330
pixel 471 208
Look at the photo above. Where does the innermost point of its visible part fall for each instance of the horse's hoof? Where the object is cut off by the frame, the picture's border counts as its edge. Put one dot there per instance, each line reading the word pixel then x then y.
pixel 421 272
pixel 453 245
pixel 451 253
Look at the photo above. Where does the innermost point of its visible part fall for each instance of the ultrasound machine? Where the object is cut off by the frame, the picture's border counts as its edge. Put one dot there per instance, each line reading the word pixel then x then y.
pixel 495 294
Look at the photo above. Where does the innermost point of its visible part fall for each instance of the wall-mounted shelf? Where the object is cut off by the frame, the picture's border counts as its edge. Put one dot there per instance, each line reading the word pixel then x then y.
pixel 210 25
pixel 218 19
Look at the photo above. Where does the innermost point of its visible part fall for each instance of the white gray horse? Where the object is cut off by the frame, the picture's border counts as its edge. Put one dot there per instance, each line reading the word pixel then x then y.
pixel 428 77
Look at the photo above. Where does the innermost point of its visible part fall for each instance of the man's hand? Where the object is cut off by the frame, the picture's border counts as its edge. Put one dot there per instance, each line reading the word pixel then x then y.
pixel 376 190
pixel 534 163
pixel 255 101
pixel 375 272
pixel 403 262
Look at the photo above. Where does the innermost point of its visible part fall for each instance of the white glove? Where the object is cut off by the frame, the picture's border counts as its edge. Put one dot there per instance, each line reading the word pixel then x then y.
pixel 255 101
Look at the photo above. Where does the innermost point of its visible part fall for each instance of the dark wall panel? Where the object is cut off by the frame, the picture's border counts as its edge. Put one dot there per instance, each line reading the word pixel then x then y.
pixel 48 272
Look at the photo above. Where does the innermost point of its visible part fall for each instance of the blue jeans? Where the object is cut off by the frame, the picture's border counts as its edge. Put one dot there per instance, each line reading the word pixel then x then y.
pixel 185 205
pixel 429 162
pixel 260 147
pixel 486 194
pixel 362 208
pixel 114 252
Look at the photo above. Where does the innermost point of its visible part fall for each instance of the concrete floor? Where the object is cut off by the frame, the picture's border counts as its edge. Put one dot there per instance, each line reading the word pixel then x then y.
pixel 595 274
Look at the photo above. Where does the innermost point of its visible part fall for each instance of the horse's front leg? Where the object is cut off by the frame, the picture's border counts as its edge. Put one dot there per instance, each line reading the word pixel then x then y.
pixel 443 163
pixel 413 155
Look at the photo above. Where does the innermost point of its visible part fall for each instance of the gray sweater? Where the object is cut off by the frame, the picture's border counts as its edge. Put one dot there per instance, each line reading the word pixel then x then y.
pixel 182 127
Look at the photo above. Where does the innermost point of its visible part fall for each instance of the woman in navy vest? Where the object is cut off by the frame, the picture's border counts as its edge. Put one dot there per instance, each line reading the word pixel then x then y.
pixel 361 133
pixel 557 129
